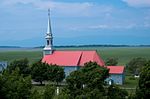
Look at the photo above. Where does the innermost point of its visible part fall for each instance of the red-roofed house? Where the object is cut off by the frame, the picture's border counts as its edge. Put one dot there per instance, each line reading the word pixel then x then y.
pixel 73 60
pixel 116 74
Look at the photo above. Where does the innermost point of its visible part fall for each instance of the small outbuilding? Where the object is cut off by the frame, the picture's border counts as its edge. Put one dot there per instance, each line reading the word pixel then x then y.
pixel 117 75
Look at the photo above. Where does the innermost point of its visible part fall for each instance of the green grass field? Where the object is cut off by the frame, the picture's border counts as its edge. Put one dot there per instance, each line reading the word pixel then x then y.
pixel 31 55
pixel 124 54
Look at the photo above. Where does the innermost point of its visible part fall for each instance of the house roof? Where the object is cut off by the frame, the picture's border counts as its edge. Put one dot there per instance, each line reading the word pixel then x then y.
pixel 72 58
pixel 116 69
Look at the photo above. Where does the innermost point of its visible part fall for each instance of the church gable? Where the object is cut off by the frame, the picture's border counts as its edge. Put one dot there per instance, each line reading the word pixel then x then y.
pixel 90 56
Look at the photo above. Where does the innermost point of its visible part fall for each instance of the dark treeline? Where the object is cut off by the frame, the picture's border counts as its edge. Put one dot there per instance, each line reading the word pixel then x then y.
pixel 76 46
pixel 10 47
pixel 94 45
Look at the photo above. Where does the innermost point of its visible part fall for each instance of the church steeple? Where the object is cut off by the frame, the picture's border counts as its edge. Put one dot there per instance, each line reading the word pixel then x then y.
pixel 49 31
pixel 48 49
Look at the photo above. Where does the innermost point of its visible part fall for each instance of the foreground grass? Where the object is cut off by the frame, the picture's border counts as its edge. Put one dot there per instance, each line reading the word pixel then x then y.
pixel 39 88
pixel 130 84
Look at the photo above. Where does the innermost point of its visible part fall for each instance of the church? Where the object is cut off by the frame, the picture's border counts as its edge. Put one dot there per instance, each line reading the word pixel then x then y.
pixel 74 60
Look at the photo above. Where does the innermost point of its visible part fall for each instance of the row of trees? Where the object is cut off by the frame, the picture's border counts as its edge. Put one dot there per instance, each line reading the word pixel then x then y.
pixel 86 83
pixel 89 83
pixel 38 71
pixel 15 80
pixel 14 86
pixel 42 71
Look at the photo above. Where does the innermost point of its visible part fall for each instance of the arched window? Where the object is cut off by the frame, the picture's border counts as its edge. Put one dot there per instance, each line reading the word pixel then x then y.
pixel 47 42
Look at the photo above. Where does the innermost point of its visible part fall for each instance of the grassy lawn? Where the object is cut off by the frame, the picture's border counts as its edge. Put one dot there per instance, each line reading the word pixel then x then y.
pixel 130 82
pixel 39 88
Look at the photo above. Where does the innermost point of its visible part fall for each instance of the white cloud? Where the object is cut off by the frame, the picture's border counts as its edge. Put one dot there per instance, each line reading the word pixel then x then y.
pixel 93 27
pixel 101 26
pixel 107 26
pixel 138 3
pixel 13 2
pixel 48 4
pixel 74 9
pixel 63 8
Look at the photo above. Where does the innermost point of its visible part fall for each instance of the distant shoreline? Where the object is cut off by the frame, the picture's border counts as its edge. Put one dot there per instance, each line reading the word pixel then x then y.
pixel 74 46
pixel 78 46
pixel 10 47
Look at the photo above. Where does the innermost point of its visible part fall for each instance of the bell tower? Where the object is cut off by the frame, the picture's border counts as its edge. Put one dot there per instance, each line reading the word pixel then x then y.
pixel 48 49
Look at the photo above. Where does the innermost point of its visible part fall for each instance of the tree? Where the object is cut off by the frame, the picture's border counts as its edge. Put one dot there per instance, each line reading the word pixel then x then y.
pixel 43 71
pixel 49 92
pixel 39 71
pixel 88 82
pixel 22 64
pixel 2 94
pixel 111 62
pixel 114 92
pixel 55 73
pixel 143 90
pixel 15 86
pixel 35 95
pixel 136 64
pixel 95 75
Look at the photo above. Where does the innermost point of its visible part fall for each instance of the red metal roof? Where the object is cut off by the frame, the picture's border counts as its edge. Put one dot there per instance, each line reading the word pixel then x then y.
pixel 72 58
pixel 116 69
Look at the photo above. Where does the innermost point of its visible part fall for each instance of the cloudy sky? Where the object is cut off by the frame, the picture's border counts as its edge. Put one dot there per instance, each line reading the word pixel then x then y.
pixel 24 22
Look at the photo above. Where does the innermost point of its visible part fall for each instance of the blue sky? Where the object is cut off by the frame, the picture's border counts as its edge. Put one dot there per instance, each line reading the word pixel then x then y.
pixel 24 22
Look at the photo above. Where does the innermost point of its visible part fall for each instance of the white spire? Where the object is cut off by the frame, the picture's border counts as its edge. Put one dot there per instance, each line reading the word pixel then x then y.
pixel 49 31
pixel 48 49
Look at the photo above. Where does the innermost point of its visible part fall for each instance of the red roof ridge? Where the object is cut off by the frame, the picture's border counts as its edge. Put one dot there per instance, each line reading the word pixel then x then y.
pixel 74 50
pixel 116 69
pixel 80 59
